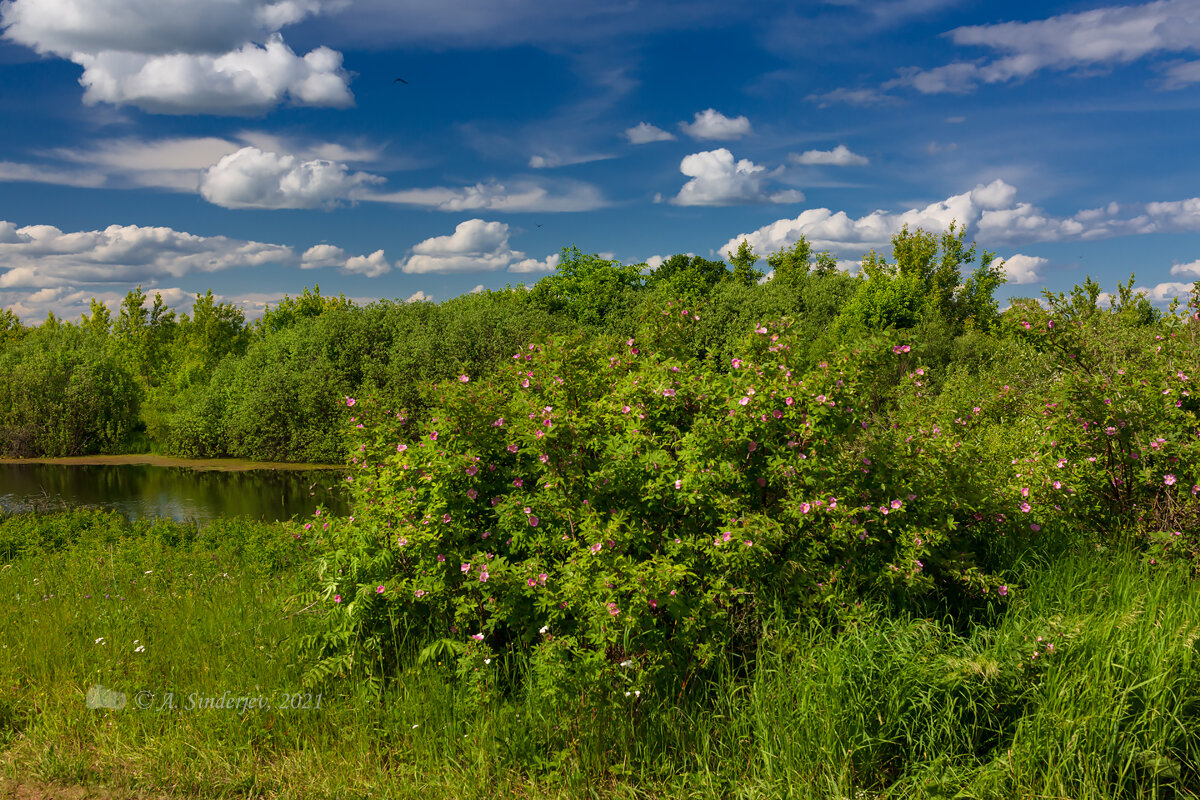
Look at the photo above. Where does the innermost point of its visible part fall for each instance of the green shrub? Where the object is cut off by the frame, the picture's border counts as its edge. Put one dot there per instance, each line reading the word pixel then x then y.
pixel 614 496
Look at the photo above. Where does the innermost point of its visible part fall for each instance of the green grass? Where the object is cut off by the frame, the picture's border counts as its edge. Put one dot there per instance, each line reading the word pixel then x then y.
pixel 891 706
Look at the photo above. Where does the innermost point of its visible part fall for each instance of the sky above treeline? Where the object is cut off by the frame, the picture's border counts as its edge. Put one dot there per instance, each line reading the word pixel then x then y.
pixel 410 149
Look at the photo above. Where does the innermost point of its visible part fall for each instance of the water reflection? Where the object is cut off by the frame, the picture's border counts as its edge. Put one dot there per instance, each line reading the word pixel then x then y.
pixel 140 491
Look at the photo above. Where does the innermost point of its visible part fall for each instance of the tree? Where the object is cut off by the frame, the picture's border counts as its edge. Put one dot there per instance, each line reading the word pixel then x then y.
pixel 588 288
pixel 743 262
pixel 926 281
pixel 11 330
pixel 214 331
pixel 686 277
pixel 790 265
pixel 100 321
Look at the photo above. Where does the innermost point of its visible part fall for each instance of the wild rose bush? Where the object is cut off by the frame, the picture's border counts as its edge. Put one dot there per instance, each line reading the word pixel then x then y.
pixel 1119 448
pixel 613 510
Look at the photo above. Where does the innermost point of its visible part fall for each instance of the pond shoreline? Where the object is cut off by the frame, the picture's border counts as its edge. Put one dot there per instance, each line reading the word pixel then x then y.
pixel 153 460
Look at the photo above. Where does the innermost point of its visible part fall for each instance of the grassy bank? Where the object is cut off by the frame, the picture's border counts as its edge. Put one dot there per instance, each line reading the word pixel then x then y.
pixel 1087 687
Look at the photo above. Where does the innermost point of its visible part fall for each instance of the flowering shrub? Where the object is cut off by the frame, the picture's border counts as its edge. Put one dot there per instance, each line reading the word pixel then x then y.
pixel 646 512
pixel 1119 446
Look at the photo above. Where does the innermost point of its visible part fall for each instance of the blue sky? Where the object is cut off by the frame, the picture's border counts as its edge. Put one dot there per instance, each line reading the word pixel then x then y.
pixel 256 147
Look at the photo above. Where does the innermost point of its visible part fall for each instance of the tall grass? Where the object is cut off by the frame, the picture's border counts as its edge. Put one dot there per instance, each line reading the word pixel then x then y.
pixel 1105 704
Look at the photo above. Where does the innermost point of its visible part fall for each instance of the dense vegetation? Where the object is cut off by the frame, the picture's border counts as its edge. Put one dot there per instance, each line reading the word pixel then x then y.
pixel 678 534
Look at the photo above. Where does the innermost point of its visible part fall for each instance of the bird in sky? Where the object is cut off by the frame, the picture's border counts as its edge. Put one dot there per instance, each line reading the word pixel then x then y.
pixel 400 80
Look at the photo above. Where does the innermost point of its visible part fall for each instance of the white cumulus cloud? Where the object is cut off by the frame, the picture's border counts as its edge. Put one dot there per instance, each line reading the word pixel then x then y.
pixel 181 56
pixel 42 256
pixel 251 178
pixel 711 124
pixel 991 214
pixel 1022 268
pixel 526 265
pixel 840 156
pixel 475 246
pixel 1191 269
pixel 717 179
pixel 327 255
pixel 644 133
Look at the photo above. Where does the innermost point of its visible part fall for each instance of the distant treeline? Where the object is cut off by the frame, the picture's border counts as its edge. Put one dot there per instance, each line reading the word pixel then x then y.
pixel 210 384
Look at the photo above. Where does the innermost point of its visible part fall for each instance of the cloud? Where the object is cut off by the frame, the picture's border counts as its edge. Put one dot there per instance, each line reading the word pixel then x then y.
pixel 176 164
pixel 1191 269
pixel 135 26
pixel 990 213
pixel 477 290
pixel 718 180
pixel 42 256
pixel 183 57
pixel 547 264
pixel 29 173
pixel 644 133
pixel 851 97
pixel 1081 41
pixel 839 156
pixel 552 160
pixel 1022 269
pixel 419 297
pixel 371 266
pixel 711 124
pixel 249 80
pixel 326 255
pixel 475 246
pixel 520 195
pixel 251 178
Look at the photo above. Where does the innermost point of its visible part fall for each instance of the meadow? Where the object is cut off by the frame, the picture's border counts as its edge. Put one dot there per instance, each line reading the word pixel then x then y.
pixel 1086 686
pixel 936 551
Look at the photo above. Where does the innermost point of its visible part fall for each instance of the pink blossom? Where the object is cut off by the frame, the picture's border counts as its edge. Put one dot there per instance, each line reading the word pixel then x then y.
pixel 433 436
pixel 512 448
pixel 465 566
pixel 477 637
pixel 533 522
pixel 471 470
pixel 678 484
pixel 350 401
pixel 1169 479
pixel 805 507
pixel 441 557
pixel 1026 507
pixel 1003 591
pixel 789 401
pixel 400 448
pixel 752 446
pixel 378 590
pixel 744 401
pixel 337 598
pixel 726 536
pixel 446 518
pixel 472 494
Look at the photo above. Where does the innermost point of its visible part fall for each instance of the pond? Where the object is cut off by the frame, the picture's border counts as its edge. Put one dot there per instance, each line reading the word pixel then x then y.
pixel 148 487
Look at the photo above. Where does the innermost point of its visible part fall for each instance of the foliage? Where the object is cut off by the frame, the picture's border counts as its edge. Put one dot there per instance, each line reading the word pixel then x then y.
pixel 61 394
pixel 641 509
pixel 924 281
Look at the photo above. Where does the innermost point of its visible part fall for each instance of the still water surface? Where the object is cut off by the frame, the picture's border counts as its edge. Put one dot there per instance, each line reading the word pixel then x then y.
pixel 141 491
